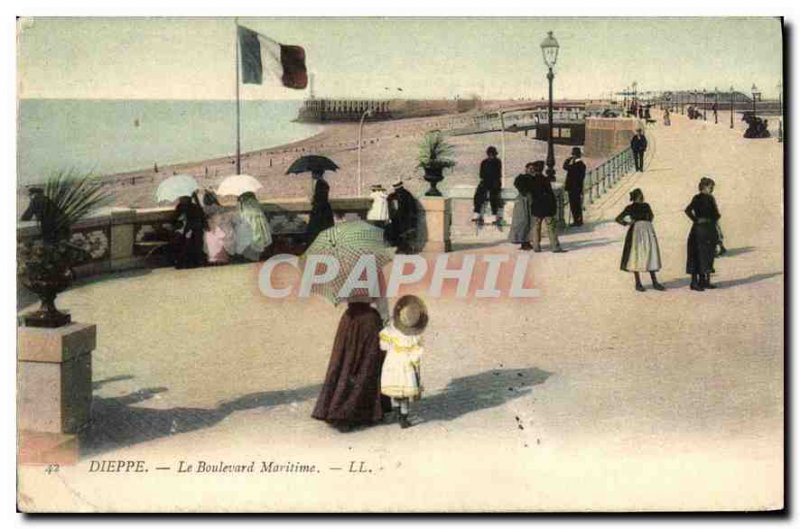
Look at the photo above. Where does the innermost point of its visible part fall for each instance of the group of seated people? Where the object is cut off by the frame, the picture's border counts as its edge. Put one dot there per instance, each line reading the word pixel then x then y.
pixel 208 233
pixel 756 127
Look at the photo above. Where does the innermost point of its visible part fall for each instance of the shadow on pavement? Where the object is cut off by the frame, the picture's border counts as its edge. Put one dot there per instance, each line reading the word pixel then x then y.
pixel 573 246
pixel 684 282
pixel 737 251
pixel 746 280
pixel 117 422
pixel 478 392
pixel 97 384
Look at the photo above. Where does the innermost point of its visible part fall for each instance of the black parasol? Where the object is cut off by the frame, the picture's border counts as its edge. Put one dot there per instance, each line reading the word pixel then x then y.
pixel 312 163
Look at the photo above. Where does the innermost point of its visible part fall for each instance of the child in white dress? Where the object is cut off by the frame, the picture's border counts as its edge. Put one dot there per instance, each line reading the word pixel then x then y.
pixel 378 213
pixel 402 341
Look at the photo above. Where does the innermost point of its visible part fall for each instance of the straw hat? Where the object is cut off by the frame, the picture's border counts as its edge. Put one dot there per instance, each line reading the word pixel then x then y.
pixel 410 315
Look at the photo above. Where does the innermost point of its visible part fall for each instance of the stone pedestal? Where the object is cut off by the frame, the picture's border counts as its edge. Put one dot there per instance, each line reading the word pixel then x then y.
pixel 435 223
pixel 54 378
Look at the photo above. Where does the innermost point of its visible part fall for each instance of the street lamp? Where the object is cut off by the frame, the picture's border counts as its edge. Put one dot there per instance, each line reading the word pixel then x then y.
pixel 366 113
pixel 733 100
pixel 550 55
pixel 755 93
pixel 780 121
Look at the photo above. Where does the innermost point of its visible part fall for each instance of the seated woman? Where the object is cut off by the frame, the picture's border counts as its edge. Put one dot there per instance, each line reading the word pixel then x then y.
pixel 220 239
pixel 251 228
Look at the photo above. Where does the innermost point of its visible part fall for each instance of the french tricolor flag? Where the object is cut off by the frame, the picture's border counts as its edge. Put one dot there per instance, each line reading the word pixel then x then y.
pixel 259 52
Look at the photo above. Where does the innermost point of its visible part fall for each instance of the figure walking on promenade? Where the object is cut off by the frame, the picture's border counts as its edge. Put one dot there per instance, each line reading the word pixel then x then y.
pixel 351 393
pixel 703 237
pixel 321 217
pixel 544 208
pixel 190 226
pixel 576 174
pixel 667 121
pixel 641 252
pixel 490 185
pixel 639 146
pixel 253 234
pixel 403 212
pixel 402 340
pixel 521 222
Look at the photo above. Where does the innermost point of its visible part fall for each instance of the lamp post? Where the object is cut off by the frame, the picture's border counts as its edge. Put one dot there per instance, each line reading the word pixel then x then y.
pixel 550 55
pixel 733 101
pixel 755 93
pixel 360 130
pixel 780 120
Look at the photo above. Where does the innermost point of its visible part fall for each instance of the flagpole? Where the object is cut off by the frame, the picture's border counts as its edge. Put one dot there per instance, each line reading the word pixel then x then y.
pixel 238 125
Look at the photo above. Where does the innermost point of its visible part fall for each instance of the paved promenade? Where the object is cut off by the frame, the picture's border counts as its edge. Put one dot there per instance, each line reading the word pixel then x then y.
pixel 592 395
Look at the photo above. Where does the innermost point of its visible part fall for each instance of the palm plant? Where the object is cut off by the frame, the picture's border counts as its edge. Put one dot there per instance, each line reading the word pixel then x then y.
pixel 435 155
pixel 67 198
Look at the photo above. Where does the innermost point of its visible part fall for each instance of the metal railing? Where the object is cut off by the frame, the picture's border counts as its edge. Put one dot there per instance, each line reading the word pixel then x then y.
pixel 600 180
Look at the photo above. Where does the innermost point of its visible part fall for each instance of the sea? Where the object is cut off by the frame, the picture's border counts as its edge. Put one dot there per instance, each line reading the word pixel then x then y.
pixel 111 136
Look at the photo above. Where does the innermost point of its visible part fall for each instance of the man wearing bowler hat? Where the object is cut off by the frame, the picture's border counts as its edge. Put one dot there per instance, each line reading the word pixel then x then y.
pixel 402 230
pixel 576 174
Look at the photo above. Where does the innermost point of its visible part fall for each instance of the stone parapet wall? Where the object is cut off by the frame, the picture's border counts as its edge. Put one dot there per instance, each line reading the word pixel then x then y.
pixel 607 136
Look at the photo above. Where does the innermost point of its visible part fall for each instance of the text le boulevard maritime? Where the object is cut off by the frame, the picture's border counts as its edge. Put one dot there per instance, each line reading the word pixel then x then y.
pixel 221 467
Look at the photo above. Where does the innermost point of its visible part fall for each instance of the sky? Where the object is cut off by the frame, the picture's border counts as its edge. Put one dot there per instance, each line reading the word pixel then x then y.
pixel 493 58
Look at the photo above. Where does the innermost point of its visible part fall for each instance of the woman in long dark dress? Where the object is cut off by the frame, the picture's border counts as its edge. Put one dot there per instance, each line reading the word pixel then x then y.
pixel 641 252
pixel 190 226
pixel 703 237
pixel 351 394
pixel 521 221
pixel 321 217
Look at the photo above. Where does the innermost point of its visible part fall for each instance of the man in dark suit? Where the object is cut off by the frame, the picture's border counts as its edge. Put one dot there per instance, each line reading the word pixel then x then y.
pixel 490 184
pixel 402 230
pixel 576 174
pixel 543 208
pixel 638 146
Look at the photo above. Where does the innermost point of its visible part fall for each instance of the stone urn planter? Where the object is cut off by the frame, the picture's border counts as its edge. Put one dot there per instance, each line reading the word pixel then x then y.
pixel 433 175
pixel 47 276
pixel 434 157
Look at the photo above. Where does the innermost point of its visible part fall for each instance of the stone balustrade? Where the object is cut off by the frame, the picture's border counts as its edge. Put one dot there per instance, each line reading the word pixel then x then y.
pixel 124 238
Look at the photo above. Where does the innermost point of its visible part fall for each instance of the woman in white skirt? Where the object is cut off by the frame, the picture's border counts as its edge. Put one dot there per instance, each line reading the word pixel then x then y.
pixel 640 253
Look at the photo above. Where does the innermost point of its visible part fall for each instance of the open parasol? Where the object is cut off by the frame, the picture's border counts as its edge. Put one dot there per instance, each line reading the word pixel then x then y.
pixel 312 163
pixel 238 184
pixel 176 186
pixel 347 242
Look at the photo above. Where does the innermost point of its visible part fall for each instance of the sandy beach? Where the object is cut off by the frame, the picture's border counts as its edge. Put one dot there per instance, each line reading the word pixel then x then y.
pixel 389 152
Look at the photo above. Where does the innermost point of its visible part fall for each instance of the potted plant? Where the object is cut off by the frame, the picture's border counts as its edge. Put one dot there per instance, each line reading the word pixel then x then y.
pixel 435 156
pixel 65 199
